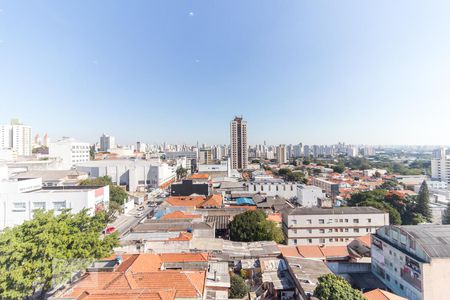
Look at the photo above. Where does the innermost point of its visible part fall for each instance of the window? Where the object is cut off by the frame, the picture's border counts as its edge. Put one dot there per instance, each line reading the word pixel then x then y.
pixel 19 206
pixel 346 220
pixel 294 221
pixel 322 230
pixel 330 230
pixel 309 230
pixel 346 229
pixel 330 240
pixel 369 220
pixel 310 241
pixel 367 230
pixel 388 277
pixel 322 241
pixel 308 221
pixel 412 244
pixel 341 220
pixel 355 229
pixel 295 242
pixel 355 220
pixel 59 205
pixel 321 221
pixel 38 205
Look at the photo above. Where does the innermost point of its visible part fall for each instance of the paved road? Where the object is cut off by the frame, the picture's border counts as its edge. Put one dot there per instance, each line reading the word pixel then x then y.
pixel 127 221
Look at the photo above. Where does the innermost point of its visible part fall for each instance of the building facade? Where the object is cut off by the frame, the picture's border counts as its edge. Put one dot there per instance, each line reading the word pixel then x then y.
pixel 282 157
pixel 16 136
pixel 287 190
pixel 107 142
pixel 20 197
pixel 330 226
pixel 238 144
pixel 413 261
pixel 309 196
pixel 69 151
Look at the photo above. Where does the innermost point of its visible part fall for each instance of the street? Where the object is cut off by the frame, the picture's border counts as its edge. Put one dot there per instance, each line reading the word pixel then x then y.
pixel 125 222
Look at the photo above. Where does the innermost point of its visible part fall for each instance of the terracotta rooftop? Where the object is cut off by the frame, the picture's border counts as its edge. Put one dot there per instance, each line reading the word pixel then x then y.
pixel 186 201
pixel 199 176
pixel 378 294
pixel 365 239
pixel 213 201
pixel 324 252
pixel 275 217
pixel 139 294
pixel 179 215
pixel 184 257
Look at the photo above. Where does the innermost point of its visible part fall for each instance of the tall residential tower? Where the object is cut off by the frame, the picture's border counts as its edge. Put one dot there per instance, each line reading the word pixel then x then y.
pixel 238 144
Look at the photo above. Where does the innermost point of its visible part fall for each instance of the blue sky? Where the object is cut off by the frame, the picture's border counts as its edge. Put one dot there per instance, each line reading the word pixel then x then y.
pixel 374 72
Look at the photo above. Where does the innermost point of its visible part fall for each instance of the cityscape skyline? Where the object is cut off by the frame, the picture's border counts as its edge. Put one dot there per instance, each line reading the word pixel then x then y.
pixel 162 71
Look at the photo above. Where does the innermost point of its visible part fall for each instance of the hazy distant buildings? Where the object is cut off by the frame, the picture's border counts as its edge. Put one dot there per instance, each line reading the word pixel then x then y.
pixel 107 142
pixel 16 136
pixel 205 156
pixel 238 144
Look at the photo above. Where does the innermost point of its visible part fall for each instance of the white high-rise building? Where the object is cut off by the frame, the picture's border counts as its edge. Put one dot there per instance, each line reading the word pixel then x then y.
pixel 238 143
pixel 107 142
pixel 16 136
pixel 440 165
pixel 69 151
pixel 281 154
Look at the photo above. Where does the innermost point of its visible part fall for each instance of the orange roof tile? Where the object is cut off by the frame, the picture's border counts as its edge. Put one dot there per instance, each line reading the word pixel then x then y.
pixel 378 294
pixel 185 201
pixel 138 294
pixel 184 257
pixel 247 207
pixel 275 217
pixel 121 285
pixel 324 252
pixel 184 236
pixel 199 176
pixel 213 201
pixel 366 240
pixel 179 215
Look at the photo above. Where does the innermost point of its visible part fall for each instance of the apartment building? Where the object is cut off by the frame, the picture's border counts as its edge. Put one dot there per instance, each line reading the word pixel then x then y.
pixel 282 156
pixel 16 136
pixel 107 142
pixel 329 187
pixel 330 226
pixel 69 151
pixel 238 144
pixel 413 261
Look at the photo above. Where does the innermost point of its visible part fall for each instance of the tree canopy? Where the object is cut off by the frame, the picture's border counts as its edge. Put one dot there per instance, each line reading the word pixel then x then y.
pixel 252 226
pixel 291 176
pixel 181 172
pixel 46 250
pixel 117 195
pixel 238 288
pixel 402 210
pixel 423 202
pixel 333 287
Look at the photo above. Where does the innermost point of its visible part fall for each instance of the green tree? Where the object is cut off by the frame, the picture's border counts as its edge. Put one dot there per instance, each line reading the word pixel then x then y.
pixel 252 226
pixel 333 287
pixel 339 168
pixel 389 185
pixel 423 202
pixel 46 250
pixel 238 287
pixel 394 215
pixel 117 195
pixel 92 152
pixel 181 172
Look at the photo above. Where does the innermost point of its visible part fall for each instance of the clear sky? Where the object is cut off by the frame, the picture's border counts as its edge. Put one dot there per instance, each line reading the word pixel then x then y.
pixel 374 72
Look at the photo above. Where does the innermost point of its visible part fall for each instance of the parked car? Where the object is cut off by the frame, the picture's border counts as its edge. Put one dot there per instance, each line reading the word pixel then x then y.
pixel 109 230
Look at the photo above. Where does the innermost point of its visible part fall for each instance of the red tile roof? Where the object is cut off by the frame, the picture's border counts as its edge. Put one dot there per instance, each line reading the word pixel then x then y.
pixel 199 176
pixel 378 294
pixel 179 215
pixel 275 217
pixel 325 252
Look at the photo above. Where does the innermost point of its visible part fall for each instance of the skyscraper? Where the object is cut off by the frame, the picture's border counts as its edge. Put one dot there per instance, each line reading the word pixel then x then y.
pixel 238 144
pixel 107 142
pixel 281 154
